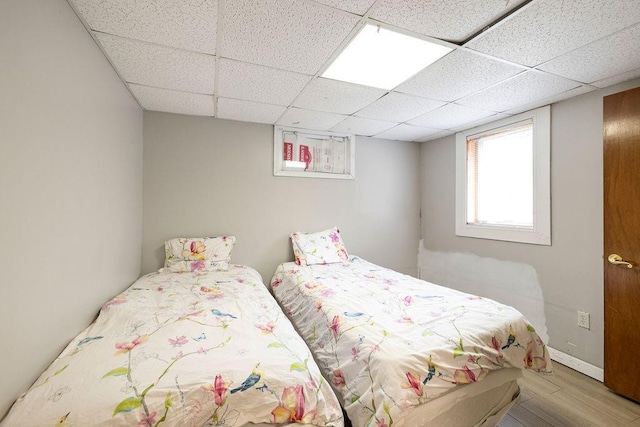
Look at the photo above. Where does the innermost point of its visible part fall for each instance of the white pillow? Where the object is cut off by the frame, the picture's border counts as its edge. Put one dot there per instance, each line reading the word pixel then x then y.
pixel 198 254
pixel 323 247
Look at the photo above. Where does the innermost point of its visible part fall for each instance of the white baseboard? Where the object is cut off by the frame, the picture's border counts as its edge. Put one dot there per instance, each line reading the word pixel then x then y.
pixel 577 364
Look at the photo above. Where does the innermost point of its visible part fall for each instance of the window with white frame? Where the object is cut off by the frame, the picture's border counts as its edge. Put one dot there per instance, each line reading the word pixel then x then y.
pixel 503 179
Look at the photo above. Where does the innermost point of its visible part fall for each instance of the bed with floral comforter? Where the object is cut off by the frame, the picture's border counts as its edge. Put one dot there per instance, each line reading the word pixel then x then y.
pixel 390 343
pixel 184 349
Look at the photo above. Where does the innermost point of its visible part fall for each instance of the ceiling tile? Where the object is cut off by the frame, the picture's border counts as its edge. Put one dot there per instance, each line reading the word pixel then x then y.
pixel 241 80
pixel 360 126
pixel 153 65
pixel 550 100
pixel 336 97
pixel 187 24
pixel 480 122
pixel 453 20
pixel 404 132
pixel 308 119
pixel 519 90
pixel 458 74
pixel 546 29
pixel 617 79
pixel 171 101
pixel 449 116
pixel 286 34
pixel 359 7
pixel 247 111
pixel 600 59
pixel 398 107
pixel 438 135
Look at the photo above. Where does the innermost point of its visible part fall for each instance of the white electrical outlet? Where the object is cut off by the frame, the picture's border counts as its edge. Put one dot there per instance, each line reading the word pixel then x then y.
pixel 583 319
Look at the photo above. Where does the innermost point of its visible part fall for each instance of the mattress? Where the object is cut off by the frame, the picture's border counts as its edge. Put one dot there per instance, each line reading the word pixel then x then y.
pixel 483 403
pixel 184 349
pixel 393 346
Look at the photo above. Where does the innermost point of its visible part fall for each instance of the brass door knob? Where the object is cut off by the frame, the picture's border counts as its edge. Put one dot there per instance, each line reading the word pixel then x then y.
pixel 617 260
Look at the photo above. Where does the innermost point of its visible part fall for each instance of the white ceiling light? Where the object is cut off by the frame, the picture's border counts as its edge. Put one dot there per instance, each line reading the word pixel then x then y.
pixel 382 58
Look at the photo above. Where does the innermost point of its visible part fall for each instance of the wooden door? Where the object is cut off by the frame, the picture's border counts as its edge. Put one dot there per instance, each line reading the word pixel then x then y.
pixel 622 237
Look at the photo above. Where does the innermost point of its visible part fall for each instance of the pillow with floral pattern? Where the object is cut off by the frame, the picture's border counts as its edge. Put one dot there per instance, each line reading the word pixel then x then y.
pixel 198 254
pixel 323 247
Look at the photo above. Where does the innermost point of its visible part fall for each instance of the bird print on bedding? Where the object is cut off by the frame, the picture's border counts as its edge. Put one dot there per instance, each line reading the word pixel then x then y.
pixel 416 342
pixel 184 349
pixel 219 313
pixel 250 381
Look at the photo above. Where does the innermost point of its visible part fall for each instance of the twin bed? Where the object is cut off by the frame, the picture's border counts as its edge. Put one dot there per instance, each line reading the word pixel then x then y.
pixel 396 348
pixel 203 342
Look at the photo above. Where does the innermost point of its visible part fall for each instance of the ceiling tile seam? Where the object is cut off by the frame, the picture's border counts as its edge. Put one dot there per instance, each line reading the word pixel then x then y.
pixel 498 21
pixel 457 127
pixel 367 118
pixel 356 28
pixel 593 86
pixel 545 101
pixel 455 47
pixel 548 73
pixel 417 96
pixel 405 122
pixel 637 24
pixel 331 8
pixel 455 101
pixel 219 37
pixel 365 19
pixel 226 58
pixel 471 51
pixel 434 136
pixel 420 96
pixel 618 78
pixel 413 34
pixel 473 108
pixel 97 42
pixel 381 120
pixel 371 8
pixel 256 102
pixel 447 103
pixel 480 53
pixel 549 100
pixel 536 71
pixel 178 49
pixel 168 89
pixel 427 127
pixel 513 77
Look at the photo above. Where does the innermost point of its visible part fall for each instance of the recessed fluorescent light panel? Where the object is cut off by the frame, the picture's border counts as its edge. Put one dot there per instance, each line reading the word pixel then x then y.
pixel 382 58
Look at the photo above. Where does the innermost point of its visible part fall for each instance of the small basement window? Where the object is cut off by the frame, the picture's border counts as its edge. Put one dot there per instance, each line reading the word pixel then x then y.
pixel 502 179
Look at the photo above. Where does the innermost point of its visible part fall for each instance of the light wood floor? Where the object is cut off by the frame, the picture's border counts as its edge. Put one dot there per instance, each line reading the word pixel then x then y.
pixel 569 398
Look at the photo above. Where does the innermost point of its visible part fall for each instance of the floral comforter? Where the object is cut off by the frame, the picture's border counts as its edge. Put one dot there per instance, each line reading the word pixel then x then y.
pixel 184 349
pixel 390 342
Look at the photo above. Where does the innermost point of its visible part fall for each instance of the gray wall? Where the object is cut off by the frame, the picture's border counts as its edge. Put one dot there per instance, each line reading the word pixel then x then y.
pixel 570 272
pixel 205 177
pixel 70 186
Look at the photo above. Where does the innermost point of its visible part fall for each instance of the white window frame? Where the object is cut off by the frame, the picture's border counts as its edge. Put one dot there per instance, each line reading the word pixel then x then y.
pixel 283 168
pixel 540 234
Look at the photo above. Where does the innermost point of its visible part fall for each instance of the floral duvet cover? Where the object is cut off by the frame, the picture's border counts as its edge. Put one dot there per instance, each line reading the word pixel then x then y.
pixel 184 349
pixel 389 342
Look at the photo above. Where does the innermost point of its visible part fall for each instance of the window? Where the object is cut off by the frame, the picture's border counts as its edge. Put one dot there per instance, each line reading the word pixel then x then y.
pixel 502 179
pixel 313 154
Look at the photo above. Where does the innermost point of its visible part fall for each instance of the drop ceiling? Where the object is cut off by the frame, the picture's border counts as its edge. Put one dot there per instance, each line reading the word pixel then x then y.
pixel 260 60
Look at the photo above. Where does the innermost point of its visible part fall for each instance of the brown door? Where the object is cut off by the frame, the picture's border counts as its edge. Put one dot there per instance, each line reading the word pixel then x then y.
pixel 622 243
